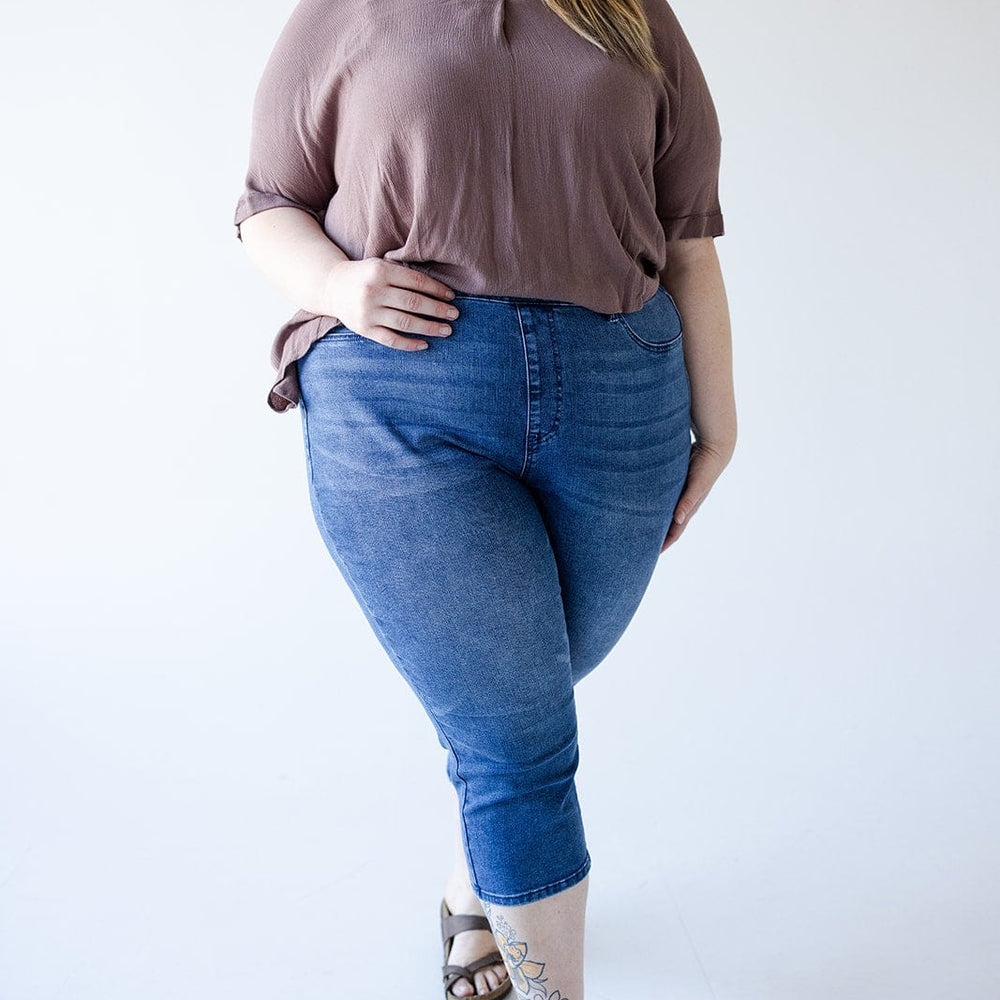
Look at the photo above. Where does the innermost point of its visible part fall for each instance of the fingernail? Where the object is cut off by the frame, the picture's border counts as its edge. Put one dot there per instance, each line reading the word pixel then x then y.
pixel 679 517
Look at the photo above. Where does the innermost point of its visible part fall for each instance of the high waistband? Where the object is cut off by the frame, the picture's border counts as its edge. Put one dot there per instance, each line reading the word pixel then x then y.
pixel 513 299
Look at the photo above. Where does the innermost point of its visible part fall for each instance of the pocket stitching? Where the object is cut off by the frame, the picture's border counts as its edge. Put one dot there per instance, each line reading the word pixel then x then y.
pixel 648 345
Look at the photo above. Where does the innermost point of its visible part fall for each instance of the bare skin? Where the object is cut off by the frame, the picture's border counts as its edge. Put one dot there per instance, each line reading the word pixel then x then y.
pixel 541 942
pixel 693 277
pixel 376 298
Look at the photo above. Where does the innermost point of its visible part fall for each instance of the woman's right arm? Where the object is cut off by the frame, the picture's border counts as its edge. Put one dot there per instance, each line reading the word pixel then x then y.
pixel 373 297
pixel 290 182
pixel 290 248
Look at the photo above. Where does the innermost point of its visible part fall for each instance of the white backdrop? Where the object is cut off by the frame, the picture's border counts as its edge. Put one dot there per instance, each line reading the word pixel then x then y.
pixel 215 785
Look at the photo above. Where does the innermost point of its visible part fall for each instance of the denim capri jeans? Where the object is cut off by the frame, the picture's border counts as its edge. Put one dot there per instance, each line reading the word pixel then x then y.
pixel 497 504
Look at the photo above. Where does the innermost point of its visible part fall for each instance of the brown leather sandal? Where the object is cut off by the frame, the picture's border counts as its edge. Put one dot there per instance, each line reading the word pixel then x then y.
pixel 455 923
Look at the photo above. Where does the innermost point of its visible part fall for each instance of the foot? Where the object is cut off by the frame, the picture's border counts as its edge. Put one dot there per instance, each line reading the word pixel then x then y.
pixel 467 946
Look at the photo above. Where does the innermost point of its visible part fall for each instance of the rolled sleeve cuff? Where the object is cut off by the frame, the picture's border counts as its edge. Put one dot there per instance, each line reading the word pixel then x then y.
pixel 252 201
pixel 693 226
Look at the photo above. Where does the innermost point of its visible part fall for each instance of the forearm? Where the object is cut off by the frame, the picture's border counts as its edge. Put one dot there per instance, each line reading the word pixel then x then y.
pixel 295 255
pixel 697 287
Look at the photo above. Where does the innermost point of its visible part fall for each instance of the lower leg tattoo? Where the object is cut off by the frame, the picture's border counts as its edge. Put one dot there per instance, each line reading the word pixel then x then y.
pixel 525 974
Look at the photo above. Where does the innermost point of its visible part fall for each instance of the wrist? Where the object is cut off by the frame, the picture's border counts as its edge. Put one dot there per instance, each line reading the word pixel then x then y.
pixel 721 447
pixel 331 288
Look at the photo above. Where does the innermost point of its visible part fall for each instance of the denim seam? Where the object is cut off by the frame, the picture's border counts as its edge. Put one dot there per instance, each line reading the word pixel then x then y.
pixel 339 332
pixel 381 632
pixel 527 393
pixel 462 806
pixel 517 300
pixel 557 370
pixel 531 895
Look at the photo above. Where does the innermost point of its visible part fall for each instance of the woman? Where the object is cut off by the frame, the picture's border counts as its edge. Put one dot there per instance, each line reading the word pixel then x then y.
pixel 493 216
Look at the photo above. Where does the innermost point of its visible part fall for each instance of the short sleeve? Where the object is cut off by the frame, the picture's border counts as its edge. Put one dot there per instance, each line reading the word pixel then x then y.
pixel 293 122
pixel 688 142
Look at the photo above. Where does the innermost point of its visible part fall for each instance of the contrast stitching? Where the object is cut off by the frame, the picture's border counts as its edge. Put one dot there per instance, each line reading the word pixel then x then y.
pixel 517 300
pixel 529 895
pixel 527 393
pixel 558 380
pixel 648 344
pixel 464 802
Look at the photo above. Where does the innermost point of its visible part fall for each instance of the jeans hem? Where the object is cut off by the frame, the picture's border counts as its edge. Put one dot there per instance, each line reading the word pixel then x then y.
pixel 532 895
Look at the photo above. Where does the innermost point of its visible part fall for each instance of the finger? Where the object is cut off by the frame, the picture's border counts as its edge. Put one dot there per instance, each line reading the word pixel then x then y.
pixel 410 278
pixel 383 335
pixel 406 322
pixel 412 301
pixel 684 510
pixel 673 533
pixel 701 477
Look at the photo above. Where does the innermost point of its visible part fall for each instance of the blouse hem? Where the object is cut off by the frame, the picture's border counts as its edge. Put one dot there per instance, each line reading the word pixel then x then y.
pixel 292 342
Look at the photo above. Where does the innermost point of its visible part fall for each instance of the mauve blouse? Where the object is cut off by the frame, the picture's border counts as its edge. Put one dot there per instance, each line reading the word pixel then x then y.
pixel 485 143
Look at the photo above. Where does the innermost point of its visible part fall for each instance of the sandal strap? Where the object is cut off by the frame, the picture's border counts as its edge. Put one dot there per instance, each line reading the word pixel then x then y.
pixel 455 923
pixel 493 958
pixel 452 973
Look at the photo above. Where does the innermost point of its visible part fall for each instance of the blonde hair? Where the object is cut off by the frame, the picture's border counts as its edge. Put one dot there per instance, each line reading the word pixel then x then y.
pixel 618 27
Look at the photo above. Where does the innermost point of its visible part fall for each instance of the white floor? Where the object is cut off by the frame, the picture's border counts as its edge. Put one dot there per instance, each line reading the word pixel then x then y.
pixel 199 816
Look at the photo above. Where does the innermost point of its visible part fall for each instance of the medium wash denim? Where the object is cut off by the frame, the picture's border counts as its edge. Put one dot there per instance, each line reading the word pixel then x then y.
pixel 497 503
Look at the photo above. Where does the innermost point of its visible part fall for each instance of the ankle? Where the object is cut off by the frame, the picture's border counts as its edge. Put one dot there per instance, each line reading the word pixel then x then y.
pixel 459 896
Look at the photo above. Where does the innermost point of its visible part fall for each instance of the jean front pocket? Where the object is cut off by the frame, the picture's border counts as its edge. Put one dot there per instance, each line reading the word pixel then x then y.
pixel 656 326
